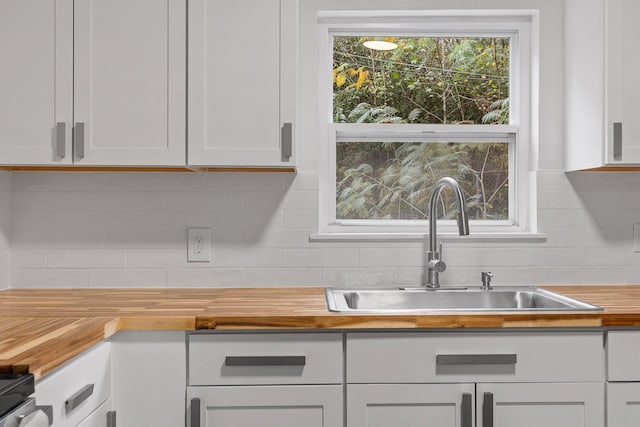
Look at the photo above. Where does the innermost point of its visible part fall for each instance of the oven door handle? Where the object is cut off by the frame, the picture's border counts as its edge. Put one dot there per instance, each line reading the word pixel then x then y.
pixel 46 409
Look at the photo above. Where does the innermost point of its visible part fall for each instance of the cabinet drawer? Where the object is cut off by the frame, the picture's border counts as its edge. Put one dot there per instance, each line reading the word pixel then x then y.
pixel 623 354
pixel 226 359
pixel 474 357
pixel 72 382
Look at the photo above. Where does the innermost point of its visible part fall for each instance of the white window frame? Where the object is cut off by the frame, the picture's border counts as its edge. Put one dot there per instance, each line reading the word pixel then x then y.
pixel 519 26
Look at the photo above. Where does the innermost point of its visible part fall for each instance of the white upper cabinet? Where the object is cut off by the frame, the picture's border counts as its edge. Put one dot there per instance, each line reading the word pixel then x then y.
pixel 109 73
pixel 601 95
pixel 36 47
pixel 129 82
pixel 242 82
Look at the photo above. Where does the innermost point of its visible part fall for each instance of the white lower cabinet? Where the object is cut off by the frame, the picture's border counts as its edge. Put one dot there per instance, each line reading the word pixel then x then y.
pixel 149 378
pixel 623 376
pixel 265 406
pixel 393 405
pixel 265 379
pixel 541 404
pixel 478 379
pixel 77 388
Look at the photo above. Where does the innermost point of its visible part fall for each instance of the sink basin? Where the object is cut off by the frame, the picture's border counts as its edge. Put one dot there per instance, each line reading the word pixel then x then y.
pixel 423 300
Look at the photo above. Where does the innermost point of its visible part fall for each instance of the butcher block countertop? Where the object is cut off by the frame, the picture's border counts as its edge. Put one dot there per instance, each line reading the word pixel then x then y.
pixel 40 329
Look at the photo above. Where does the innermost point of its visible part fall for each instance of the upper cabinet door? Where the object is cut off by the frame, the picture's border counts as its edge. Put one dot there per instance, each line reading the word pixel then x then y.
pixel 242 82
pixel 623 92
pixel 130 75
pixel 36 47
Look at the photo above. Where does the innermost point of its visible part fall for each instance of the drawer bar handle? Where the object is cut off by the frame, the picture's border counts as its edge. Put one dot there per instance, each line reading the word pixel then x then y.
pixel 78 142
pixel 265 361
pixel 60 139
pixel 74 401
pixel 195 412
pixel 287 141
pixel 476 359
pixel 487 410
pixel 467 410
pixel 111 419
pixel 617 141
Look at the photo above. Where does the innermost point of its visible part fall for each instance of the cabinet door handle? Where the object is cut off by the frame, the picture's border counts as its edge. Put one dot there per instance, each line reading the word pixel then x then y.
pixel 195 412
pixel 60 140
pixel 80 396
pixel 466 410
pixel 111 419
pixel 617 141
pixel 487 410
pixel 265 361
pixel 476 359
pixel 78 140
pixel 287 141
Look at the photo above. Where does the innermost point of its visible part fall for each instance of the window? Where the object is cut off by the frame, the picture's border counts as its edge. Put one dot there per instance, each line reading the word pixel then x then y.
pixel 435 95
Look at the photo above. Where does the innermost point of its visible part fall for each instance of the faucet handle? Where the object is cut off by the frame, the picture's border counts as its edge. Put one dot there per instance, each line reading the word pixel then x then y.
pixel 486 279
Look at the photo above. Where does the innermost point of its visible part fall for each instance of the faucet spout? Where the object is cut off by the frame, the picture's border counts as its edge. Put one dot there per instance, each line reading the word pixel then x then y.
pixel 435 263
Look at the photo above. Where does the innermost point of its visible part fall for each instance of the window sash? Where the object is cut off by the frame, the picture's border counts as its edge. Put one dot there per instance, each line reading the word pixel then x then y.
pixel 520 26
pixel 418 133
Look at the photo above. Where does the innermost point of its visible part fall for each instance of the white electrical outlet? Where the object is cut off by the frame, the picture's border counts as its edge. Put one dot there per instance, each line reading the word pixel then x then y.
pixel 198 244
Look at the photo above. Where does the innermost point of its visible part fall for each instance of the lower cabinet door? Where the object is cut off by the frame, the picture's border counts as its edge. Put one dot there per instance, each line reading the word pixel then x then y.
pixel 265 406
pixel 98 418
pixel 410 405
pixel 544 404
pixel 623 404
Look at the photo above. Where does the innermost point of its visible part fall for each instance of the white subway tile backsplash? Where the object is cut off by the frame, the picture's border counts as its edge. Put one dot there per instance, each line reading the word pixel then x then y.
pixel 128 278
pixel 161 181
pixel 204 278
pixel 129 230
pixel 224 257
pixel 323 257
pixel 85 258
pixel 264 277
pixel 354 277
pixel 28 258
pixel 48 278
pixel 304 180
pixel 391 257
pixel 304 219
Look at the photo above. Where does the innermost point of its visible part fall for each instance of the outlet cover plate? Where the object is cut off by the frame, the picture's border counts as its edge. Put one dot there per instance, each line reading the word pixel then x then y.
pixel 198 244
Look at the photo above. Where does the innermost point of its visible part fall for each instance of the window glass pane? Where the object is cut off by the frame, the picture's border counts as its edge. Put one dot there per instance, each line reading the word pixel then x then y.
pixel 422 80
pixel 393 180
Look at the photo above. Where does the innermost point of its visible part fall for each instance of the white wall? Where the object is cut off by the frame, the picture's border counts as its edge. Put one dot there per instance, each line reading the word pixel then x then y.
pixel 129 229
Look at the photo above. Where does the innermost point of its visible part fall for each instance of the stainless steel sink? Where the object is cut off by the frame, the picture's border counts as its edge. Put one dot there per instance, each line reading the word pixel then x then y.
pixel 423 300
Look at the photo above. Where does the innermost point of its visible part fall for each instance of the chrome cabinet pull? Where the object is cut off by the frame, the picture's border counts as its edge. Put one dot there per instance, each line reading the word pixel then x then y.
pixel 487 410
pixel 476 359
pixel 467 410
pixel 287 141
pixel 617 141
pixel 195 412
pixel 78 140
pixel 60 140
pixel 74 401
pixel 111 419
pixel 265 360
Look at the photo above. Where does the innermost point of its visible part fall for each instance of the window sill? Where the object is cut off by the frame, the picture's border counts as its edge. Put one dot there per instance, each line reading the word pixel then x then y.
pixel 504 237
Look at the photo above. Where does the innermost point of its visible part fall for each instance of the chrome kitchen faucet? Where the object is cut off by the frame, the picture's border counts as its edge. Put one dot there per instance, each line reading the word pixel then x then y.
pixel 435 265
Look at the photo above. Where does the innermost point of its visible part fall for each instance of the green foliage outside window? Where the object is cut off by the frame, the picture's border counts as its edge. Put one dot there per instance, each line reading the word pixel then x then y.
pixel 424 80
